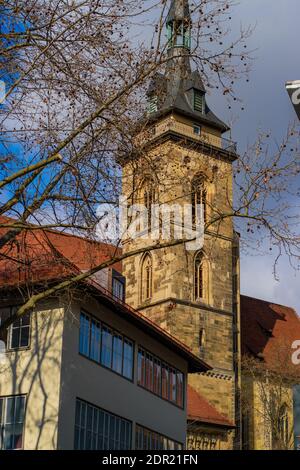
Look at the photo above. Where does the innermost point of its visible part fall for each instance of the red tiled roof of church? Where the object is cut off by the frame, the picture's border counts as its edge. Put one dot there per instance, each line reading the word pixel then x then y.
pixel 199 409
pixel 268 330
pixel 44 255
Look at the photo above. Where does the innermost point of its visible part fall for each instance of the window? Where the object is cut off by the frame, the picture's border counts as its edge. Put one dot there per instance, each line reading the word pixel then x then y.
pixel 12 411
pixel 96 429
pixel 199 277
pixel 198 101
pixel 199 199
pixel 145 439
pixel 118 290
pixel 105 346
pixel 196 129
pixel 18 336
pixel 160 378
pixel 146 277
pixel 148 198
pixel 117 353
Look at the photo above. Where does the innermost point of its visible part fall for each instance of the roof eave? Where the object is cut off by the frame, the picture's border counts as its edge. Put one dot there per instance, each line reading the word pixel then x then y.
pixel 196 118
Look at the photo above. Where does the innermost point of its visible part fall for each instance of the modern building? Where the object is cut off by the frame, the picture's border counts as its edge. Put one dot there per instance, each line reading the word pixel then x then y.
pixel 84 370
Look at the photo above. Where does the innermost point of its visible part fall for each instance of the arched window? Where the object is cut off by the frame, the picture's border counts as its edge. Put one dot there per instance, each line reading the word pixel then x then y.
pixel 146 277
pixel 148 197
pixel 199 196
pixel 200 277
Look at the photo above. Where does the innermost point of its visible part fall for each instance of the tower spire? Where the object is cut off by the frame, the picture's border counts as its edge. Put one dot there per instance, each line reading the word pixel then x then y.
pixel 179 25
pixel 180 89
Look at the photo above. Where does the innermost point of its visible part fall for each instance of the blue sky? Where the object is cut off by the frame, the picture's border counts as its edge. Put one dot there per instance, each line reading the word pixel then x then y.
pixel 267 106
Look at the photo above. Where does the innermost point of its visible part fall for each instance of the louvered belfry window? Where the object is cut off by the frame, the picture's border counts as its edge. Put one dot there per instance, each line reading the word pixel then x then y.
pixel 198 101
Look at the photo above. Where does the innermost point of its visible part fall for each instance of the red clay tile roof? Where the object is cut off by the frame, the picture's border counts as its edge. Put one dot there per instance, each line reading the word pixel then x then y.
pixel 51 255
pixel 202 411
pixel 45 255
pixel 268 330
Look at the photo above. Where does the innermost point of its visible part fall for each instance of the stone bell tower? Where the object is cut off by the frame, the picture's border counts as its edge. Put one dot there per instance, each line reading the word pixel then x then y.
pixel 185 160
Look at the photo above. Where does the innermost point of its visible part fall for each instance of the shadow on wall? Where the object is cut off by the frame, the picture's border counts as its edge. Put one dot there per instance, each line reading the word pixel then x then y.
pixel 34 372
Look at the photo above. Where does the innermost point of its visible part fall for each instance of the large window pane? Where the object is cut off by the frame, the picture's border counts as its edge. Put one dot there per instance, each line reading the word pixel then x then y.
pixel 150 440
pixel 141 368
pixel 106 348
pixel 157 377
pixel 179 389
pixel 128 359
pixel 149 372
pixel 12 411
pixel 172 379
pixel 117 353
pixel 101 430
pixel 165 382
pixel 95 341
pixel 84 336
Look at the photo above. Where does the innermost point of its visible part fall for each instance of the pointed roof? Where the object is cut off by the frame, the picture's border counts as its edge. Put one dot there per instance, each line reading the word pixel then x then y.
pixel 199 409
pixel 174 90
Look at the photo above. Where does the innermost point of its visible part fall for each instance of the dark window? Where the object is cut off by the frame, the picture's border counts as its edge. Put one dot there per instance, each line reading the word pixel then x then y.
pixel 179 385
pixel 196 129
pixel 146 277
pixel 127 358
pixel 12 411
pixel 106 349
pixel 173 385
pixel 96 429
pixel 198 101
pixel 18 334
pixel 95 340
pixel 149 372
pixel 159 378
pixel 145 439
pixel 141 367
pixel 84 335
pixel 117 353
pixel 198 277
pixel 105 346
pixel 165 381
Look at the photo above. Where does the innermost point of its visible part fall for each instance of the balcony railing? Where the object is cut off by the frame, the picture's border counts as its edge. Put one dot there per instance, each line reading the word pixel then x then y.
pixel 189 131
pixel 229 145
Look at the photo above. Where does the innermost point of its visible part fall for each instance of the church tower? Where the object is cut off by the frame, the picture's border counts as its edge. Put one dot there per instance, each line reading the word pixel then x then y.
pixel 184 159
